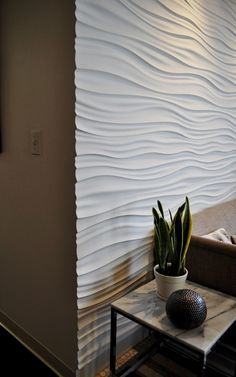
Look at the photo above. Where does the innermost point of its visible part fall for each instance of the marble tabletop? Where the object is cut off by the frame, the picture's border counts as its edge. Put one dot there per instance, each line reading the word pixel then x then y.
pixel 144 305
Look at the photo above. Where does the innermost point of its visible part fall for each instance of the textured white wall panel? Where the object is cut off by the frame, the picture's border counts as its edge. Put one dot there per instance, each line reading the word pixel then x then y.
pixel 156 119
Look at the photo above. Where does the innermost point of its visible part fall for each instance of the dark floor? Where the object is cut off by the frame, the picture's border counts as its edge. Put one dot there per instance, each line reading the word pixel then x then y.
pixel 174 360
pixel 16 360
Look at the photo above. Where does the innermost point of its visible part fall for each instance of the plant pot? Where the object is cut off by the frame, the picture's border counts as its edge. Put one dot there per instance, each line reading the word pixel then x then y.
pixel 167 284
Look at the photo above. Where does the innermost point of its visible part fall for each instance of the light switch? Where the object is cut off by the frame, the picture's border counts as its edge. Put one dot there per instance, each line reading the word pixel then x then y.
pixel 36 142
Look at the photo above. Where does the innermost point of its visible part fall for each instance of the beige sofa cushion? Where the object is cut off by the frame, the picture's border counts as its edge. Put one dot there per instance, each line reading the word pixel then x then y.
pixel 220 216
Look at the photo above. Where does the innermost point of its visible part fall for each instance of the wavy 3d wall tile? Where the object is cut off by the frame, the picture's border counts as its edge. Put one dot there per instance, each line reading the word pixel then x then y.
pixel 156 119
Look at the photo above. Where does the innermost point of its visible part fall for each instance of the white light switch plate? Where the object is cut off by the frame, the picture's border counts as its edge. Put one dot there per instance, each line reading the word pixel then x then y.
pixel 36 142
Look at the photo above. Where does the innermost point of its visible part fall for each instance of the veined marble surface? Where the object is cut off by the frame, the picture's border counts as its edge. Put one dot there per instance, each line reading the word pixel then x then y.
pixel 143 304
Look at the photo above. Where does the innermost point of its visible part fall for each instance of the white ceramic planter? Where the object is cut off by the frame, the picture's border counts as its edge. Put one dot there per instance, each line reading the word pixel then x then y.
pixel 168 284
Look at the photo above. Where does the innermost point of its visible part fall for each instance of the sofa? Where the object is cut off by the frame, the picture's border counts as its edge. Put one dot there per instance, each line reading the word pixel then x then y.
pixel 211 262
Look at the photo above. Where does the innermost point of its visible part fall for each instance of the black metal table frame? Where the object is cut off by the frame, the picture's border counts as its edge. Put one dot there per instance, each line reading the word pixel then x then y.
pixel 127 369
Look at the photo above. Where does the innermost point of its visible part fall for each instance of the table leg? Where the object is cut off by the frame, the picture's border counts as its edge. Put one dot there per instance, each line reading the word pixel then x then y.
pixel 202 365
pixel 113 342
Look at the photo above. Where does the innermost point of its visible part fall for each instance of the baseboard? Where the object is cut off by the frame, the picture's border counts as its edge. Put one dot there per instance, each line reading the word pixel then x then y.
pixel 46 356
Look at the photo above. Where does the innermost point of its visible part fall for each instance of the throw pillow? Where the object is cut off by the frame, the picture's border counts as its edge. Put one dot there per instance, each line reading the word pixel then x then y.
pixel 219 235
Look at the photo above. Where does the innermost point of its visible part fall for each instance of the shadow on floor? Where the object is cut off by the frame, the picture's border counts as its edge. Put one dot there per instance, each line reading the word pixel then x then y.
pixel 17 360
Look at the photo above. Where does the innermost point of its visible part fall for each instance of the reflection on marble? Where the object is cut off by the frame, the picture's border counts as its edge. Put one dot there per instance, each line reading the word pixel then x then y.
pixel 144 305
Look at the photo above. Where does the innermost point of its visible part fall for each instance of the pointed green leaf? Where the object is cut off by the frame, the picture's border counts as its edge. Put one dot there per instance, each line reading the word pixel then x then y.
pixel 187 228
pixel 160 208
pixel 155 215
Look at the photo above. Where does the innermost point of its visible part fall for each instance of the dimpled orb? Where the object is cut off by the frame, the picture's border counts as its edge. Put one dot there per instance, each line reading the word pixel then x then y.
pixel 186 309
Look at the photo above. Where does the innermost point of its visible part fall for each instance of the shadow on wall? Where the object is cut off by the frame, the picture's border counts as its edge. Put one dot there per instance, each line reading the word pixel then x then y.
pixel 121 272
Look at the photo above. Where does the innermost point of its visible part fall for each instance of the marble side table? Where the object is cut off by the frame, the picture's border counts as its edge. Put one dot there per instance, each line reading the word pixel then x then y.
pixel 145 308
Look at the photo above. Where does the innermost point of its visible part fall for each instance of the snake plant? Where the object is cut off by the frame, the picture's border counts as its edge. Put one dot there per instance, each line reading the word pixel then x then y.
pixel 171 238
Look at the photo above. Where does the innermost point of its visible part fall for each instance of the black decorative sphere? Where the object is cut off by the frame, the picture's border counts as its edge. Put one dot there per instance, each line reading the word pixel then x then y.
pixel 186 309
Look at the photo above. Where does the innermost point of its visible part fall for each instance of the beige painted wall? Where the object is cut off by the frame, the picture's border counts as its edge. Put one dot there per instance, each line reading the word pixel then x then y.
pixel 37 204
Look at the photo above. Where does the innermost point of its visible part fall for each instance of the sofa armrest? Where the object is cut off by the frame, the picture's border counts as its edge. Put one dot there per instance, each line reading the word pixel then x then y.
pixel 212 263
